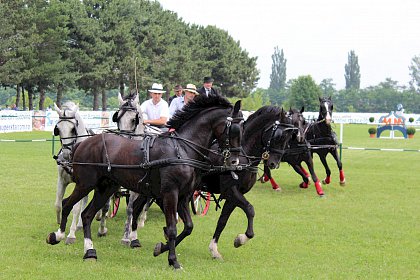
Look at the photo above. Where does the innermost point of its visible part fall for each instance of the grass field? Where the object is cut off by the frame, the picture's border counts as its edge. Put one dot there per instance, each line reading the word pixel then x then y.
pixel 369 229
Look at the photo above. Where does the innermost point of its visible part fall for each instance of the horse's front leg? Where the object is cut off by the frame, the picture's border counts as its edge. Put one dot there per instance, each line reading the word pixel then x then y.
pixel 185 215
pixel 77 220
pixel 334 153
pixel 309 162
pixel 62 182
pixel 227 210
pixel 247 207
pixel 323 158
pixel 98 202
pixel 125 240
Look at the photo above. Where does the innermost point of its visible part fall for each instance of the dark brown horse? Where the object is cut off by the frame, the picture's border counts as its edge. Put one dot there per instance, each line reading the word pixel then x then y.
pixel 166 166
pixel 323 139
pixel 266 133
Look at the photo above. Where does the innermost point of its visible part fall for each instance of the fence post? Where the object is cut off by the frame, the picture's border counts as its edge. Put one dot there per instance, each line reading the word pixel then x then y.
pixel 53 140
pixel 341 139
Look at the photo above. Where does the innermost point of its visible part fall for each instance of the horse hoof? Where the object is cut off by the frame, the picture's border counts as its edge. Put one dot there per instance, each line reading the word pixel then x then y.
pixel 52 239
pixel 303 185
pixel 135 244
pixel 102 234
pixel 343 183
pixel 125 242
pixel 70 240
pixel 177 267
pixel 157 250
pixel 90 255
pixel 240 240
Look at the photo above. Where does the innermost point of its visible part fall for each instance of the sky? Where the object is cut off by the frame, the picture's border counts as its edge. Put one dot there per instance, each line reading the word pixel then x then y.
pixel 317 36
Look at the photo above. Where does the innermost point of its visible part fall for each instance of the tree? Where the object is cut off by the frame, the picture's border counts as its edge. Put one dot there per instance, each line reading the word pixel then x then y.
pixel 327 87
pixel 276 90
pixel 352 71
pixel 415 73
pixel 305 92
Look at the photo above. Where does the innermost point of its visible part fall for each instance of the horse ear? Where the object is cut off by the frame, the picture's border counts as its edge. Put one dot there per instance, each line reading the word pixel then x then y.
pixel 302 110
pixel 236 108
pixel 282 115
pixel 329 98
pixel 57 109
pixel 76 108
pixel 120 99
pixel 320 99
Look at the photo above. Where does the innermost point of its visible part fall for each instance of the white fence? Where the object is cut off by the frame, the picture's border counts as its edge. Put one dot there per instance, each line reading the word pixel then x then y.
pixel 15 121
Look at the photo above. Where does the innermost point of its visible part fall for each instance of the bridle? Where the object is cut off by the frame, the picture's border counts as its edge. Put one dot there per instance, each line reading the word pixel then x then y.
pixel 225 146
pixel 124 109
pixel 75 123
pixel 273 128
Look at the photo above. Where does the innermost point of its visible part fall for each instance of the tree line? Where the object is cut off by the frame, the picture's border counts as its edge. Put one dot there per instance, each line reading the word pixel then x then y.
pixel 303 91
pixel 96 46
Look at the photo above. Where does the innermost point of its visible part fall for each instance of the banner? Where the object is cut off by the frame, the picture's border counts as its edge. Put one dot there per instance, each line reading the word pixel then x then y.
pixel 14 121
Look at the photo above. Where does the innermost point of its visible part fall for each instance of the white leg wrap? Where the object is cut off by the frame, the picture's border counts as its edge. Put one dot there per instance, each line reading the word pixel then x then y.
pixel 133 235
pixel 60 235
pixel 213 250
pixel 242 238
pixel 88 244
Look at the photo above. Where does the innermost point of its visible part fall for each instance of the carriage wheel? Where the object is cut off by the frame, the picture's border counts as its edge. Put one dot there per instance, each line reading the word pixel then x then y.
pixel 200 203
pixel 115 205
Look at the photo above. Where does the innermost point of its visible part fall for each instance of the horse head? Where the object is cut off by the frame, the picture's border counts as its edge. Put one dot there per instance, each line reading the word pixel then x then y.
pixel 68 124
pixel 299 122
pixel 275 139
pixel 129 117
pixel 325 110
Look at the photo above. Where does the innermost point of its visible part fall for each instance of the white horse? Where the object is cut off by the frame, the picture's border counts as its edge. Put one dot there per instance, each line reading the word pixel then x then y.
pixel 71 129
pixel 129 120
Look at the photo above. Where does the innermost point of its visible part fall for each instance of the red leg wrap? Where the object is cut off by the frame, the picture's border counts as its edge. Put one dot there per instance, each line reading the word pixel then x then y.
pixel 274 184
pixel 319 188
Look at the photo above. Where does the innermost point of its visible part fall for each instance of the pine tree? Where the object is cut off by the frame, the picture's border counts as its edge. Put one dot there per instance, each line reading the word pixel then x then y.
pixel 352 71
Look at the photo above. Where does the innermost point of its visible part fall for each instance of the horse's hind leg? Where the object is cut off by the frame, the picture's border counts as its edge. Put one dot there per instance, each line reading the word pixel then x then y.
pixel 100 198
pixel 310 163
pixel 102 231
pixel 184 214
pixel 298 169
pixel 334 153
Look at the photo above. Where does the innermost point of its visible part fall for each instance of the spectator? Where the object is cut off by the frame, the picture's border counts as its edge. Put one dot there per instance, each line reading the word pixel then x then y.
pixel 178 92
pixel 207 88
pixel 179 102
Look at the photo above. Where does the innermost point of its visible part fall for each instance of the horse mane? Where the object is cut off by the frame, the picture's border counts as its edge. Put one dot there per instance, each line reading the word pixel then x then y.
pixel 196 106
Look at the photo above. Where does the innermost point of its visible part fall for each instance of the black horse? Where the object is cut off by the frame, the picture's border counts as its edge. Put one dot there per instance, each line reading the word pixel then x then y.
pixel 323 139
pixel 163 166
pixel 266 133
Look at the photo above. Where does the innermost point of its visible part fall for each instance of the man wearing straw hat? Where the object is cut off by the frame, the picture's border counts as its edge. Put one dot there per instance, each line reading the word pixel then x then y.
pixel 179 102
pixel 155 110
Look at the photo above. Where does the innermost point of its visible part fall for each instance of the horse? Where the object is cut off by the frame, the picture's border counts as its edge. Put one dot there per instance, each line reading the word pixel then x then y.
pixel 166 166
pixel 129 121
pixel 266 134
pixel 323 139
pixel 72 130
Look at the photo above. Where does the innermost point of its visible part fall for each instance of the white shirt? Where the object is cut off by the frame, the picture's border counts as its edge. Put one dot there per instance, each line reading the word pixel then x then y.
pixel 153 112
pixel 176 104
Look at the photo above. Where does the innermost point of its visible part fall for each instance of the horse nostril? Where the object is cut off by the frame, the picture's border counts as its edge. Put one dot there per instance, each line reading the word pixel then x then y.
pixel 235 162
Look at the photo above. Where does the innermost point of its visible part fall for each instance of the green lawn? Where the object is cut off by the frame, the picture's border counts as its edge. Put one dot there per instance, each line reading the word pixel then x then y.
pixel 368 229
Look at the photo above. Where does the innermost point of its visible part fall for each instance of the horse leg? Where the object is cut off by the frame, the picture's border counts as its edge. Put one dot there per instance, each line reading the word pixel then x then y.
pixel 170 205
pixel 309 162
pixel 247 207
pixel 137 205
pixel 340 167
pixel 125 240
pixel 102 231
pixel 323 158
pixel 184 214
pixel 267 174
pixel 100 198
pixel 78 193
pixel 227 210
pixel 77 210
pixel 62 183
pixel 298 170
